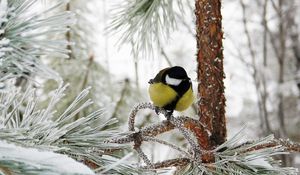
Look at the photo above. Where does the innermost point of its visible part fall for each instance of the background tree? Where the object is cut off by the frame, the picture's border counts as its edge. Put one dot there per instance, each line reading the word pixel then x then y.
pixel 268 54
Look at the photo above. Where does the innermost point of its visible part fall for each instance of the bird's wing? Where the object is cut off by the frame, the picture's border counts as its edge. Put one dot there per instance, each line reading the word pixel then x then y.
pixel 158 77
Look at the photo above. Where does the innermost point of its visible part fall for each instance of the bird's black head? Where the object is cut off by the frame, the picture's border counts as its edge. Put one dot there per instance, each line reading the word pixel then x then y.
pixel 175 75
pixel 177 72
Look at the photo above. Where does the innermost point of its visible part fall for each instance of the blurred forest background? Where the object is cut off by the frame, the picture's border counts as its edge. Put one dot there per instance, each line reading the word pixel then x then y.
pixel 261 60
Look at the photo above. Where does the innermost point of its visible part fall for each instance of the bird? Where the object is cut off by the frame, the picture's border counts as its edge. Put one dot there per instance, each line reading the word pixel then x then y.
pixel 171 89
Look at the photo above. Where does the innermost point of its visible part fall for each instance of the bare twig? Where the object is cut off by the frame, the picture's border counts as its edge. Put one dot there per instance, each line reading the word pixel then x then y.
pixel 183 124
pixel 163 53
pixel 166 143
pixel 261 95
pixel 264 93
pixel 281 61
pixel 143 156
pixel 176 122
pixel 134 112
pixel 86 77
pixel 68 34
pixel 264 22
pixel 287 144
pixel 179 125
pixel 275 7
pixel 169 163
pixel 121 99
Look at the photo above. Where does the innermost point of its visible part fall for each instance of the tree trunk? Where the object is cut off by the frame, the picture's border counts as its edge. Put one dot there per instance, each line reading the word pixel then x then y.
pixel 211 102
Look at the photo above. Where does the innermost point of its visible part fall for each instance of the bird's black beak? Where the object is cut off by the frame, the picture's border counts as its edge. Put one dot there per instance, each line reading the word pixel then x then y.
pixel 150 81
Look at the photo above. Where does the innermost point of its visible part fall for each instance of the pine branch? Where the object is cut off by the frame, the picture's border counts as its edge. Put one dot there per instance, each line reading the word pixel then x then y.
pixel 23 38
pixel 229 158
pixel 170 163
pixel 143 22
pixel 22 122
pixel 183 152
pixel 19 160
pixel 286 144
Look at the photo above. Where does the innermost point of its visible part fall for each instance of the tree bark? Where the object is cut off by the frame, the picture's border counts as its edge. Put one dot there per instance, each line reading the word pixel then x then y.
pixel 211 104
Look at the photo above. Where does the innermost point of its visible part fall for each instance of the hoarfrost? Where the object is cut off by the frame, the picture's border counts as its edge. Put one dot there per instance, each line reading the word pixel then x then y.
pixel 36 158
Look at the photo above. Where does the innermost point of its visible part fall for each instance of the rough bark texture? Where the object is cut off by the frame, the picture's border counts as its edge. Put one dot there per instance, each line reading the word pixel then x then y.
pixel 210 71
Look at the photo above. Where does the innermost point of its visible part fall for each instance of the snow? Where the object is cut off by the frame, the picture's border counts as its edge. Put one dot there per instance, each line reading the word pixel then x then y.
pixel 3 12
pixel 260 162
pixel 62 163
pixel 4 41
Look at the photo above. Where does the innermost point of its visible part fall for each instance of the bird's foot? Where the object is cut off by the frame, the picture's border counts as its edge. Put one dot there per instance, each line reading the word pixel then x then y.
pixel 168 114
pixel 157 110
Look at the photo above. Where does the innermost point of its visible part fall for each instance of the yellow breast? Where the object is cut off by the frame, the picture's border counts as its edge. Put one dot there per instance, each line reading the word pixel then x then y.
pixel 185 101
pixel 161 94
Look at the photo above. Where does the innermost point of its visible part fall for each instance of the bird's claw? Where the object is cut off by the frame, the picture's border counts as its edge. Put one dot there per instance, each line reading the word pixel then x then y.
pixel 157 110
pixel 169 114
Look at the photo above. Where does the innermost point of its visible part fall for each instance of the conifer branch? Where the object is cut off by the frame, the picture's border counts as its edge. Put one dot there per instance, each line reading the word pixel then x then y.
pixel 287 145
pixel 230 157
pixel 22 122
pixel 18 160
pixel 178 162
pixel 133 18
pixel 23 38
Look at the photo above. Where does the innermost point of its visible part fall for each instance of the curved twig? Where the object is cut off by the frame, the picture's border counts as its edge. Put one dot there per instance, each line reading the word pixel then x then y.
pixel 169 163
pixel 183 124
pixel 187 126
pixel 168 144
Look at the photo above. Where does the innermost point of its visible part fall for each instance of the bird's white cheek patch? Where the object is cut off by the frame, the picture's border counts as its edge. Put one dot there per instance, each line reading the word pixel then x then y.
pixel 173 81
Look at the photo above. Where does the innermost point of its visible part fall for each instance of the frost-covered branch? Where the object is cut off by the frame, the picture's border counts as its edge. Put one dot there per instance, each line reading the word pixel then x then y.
pixel 24 37
pixel 288 145
pixel 20 160
pixel 178 162
pixel 24 123
pixel 143 22
pixel 231 157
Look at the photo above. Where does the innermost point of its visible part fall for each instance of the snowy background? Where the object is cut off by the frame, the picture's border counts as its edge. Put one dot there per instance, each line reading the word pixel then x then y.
pixel 107 73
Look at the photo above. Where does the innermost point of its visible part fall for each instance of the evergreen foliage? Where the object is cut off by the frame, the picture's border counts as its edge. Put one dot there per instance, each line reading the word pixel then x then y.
pixel 144 23
pixel 24 38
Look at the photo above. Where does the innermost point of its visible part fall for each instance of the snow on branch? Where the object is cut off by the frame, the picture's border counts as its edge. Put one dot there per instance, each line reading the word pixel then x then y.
pixel 25 123
pixel 144 22
pixel 24 37
pixel 231 157
pixel 19 160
